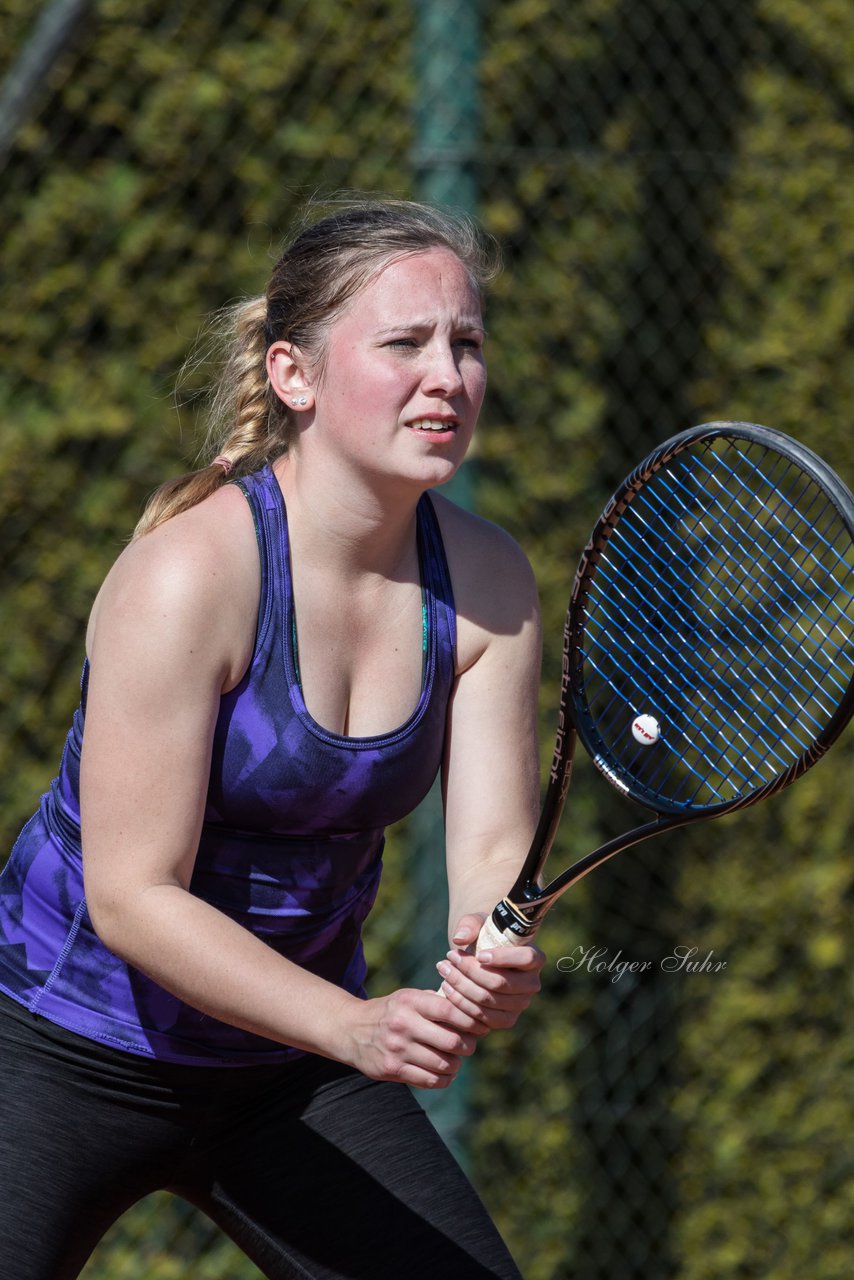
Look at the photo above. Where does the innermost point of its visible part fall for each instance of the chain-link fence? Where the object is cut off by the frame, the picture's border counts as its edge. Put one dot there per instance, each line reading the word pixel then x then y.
pixel 672 184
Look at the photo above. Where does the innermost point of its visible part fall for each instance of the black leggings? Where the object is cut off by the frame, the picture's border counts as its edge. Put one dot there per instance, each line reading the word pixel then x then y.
pixel 314 1170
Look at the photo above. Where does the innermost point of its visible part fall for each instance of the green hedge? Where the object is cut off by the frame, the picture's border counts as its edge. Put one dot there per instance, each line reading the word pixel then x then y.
pixel 673 186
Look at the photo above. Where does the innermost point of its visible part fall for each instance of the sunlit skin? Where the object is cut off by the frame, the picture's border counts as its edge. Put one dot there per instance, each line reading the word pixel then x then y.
pixel 406 352
pixel 174 627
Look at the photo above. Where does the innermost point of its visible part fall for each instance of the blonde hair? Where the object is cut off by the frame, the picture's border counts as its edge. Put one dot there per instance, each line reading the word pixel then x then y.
pixel 329 260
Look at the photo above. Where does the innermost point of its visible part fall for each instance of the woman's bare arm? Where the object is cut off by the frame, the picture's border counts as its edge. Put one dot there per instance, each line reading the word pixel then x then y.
pixel 173 627
pixel 492 782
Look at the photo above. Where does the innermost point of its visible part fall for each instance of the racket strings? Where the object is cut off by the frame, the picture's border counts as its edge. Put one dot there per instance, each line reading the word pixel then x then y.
pixel 669 699
pixel 681 635
pixel 742 668
pixel 667 691
pixel 737 589
pixel 762 679
pixel 781 559
pixel 758 618
pixel 810 687
pixel 797 514
pixel 669 695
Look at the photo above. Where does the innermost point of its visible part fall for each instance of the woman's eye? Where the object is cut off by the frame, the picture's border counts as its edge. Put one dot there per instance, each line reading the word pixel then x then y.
pixel 464 341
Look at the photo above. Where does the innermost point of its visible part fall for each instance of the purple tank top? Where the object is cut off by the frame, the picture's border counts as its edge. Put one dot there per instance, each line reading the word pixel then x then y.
pixel 292 839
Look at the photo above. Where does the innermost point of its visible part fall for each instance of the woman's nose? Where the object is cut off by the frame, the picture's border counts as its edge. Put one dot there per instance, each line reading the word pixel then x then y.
pixel 443 373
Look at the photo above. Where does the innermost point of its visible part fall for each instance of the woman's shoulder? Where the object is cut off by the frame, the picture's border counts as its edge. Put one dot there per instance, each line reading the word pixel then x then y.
pixel 194 548
pixel 482 555
pixel 495 591
pixel 199 570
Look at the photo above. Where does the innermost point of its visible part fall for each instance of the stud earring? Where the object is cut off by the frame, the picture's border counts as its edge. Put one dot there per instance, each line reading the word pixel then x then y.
pixel 300 400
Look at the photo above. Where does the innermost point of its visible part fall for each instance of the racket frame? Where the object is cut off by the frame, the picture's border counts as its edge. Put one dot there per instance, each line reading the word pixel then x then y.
pixel 518 916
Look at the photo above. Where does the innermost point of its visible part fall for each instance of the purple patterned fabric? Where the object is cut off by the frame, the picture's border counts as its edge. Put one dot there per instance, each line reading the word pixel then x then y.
pixel 292 840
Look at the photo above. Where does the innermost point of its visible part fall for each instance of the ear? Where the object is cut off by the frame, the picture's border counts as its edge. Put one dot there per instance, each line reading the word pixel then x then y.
pixel 288 377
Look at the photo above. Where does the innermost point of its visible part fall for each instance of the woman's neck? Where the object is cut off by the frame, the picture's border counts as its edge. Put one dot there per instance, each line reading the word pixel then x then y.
pixel 344 524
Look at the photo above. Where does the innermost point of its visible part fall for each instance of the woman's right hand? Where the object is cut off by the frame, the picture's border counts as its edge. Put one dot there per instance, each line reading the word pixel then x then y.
pixel 411 1037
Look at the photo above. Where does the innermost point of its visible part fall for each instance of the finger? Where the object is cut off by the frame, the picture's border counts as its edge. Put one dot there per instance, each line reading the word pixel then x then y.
pixel 478 989
pixel 494 1008
pixel 423 1064
pixel 458 1047
pixel 492 1017
pixel 502 972
pixel 422 1077
pixel 524 957
pixel 489 987
pixel 462 1017
pixel 419 1079
pixel 468 930
pixel 442 1027
pixel 473 1010
pixel 430 1067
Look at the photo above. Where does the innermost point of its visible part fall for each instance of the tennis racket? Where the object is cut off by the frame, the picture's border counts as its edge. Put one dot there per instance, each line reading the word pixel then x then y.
pixel 708 652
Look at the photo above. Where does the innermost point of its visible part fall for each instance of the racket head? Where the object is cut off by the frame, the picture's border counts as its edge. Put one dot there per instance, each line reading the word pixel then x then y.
pixel 716 596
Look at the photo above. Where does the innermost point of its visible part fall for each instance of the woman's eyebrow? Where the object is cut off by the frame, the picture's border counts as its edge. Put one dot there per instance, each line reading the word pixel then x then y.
pixel 464 323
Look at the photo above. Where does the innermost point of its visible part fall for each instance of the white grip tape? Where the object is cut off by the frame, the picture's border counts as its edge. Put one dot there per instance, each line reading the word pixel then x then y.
pixel 491 936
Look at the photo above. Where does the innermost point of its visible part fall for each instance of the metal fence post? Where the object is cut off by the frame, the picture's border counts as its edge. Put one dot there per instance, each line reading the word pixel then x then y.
pixel 447 128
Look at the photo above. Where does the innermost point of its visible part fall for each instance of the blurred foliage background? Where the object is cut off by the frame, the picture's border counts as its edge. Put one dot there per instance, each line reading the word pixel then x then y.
pixel 673 186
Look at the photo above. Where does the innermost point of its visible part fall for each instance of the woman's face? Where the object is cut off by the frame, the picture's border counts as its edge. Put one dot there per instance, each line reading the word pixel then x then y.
pixel 403 374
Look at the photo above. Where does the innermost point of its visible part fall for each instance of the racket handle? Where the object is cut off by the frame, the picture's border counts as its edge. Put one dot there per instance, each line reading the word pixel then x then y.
pixel 492 935
pixel 508 926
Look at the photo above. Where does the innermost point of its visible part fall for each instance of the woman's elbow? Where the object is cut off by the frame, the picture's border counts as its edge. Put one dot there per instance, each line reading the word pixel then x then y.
pixel 110 916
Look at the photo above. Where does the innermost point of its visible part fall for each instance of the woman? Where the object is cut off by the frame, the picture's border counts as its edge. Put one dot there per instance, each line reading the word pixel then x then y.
pixel 276 669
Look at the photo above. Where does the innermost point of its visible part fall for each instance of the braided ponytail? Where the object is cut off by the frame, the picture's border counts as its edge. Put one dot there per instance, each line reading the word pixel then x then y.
pixel 246 421
pixel 327 263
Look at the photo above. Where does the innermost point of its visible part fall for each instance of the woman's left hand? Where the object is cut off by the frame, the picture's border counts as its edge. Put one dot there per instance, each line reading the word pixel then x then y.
pixel 493 986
